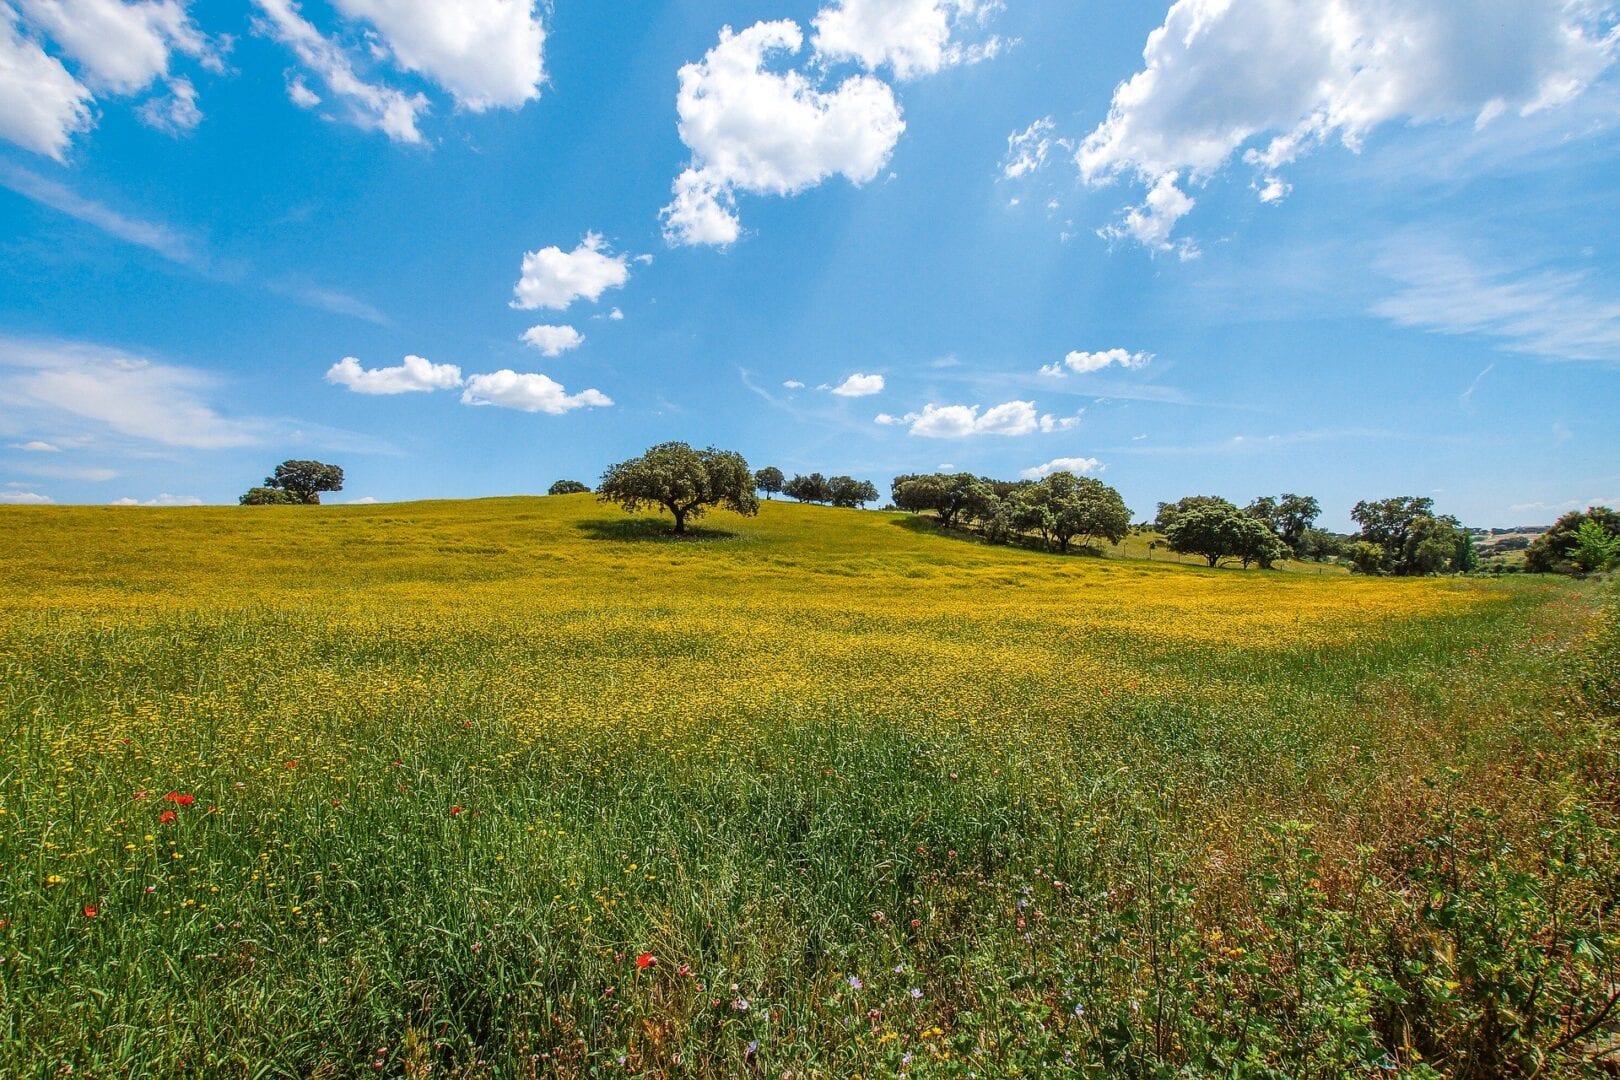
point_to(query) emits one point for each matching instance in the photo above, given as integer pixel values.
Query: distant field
(526, 787)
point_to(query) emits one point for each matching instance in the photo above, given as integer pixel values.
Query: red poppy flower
(292, 764)
(91, 911)
(138, 795)
(179, 799)
(455, 811)
(646, 960)
(167, 816)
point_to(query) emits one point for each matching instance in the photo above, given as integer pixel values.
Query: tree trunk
(680, 520)
(1214, 560)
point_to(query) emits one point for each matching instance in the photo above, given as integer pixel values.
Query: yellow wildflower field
(524, 786)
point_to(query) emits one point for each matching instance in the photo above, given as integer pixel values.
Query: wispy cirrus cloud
(1560, 314)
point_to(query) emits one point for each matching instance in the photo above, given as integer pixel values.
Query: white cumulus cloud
(413, 375)
(859, 385)
(25, 498)
(763, 132)
(910, 37)
(961, 421)
(37, 446)
(529, 392)
(553, 340)
(1274, 79)
(42, 106)
(1077, 465)
(486, 53)
(1084, 363)
(554, 278)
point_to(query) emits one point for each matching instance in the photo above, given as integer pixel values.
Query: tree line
(1400, 536)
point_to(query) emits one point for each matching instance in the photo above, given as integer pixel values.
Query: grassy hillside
(524, 786)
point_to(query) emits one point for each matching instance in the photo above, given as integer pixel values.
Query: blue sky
(1351, 249)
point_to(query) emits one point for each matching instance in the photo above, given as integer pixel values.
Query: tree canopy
(1403, 536)
(1217, 532)
(568, 487)
(769, 480)
(1063, 507)
(1169, 512)
(295, 482)
(683, 481)
(1554, 550)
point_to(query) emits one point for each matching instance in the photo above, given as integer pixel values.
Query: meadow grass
(526, 787)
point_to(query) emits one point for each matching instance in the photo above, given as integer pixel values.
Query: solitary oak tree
(296, 482)
(567, 487)
(769, 480)
(684, 481)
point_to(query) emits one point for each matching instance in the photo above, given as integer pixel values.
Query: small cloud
(1077, 465)
(1050, 423)
(35, 446)
(616, 315)
(553, 340)
(414, 375)
(162, 500)
(25, 498)
(961, 421)
(944, 466)
(528, 392)
(554, 278)
(364, 500)
(1084, 363)
(301, 95)
(793, 384)
(859, 385)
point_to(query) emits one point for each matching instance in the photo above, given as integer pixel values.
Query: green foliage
(1290, 518)
(769, 480)
(1411, 539)
(267, 496)
(567, 487)
(950, 497)
(1595, 547)
(303, 481)
(1169, 512)
(1063, 507)
(1576, 542)
(683, 481)
(848, 492)
(811, 489)
(1215, 532)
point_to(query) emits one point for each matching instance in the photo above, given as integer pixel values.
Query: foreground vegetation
(526, 787)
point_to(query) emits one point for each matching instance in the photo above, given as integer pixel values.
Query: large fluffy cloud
(764, 132)
(554, 278)
(119, 47)
(116, 49)
(528, 392)
(414, 375)
(910, 37)
(1275, 78)
(487, 53)
(42, 106)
